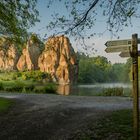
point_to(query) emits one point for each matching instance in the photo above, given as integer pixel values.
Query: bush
(50, 88)
(113, 92)
(35, 75)
(9, 89)
(1, 86)
(39, 89)
(24, 77)
(29, 88)
(18, 86)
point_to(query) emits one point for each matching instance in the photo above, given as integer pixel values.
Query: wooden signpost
(129, 48)
(120, 48)
(127, 54)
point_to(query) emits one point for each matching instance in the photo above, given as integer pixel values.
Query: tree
(93, 69)
(84, 13)
(99, 69)
(16, 16)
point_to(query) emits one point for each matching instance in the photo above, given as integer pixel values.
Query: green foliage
(17, 86)
(26, 75)
(28, 88)
(47, 88)
(1, 86)
(25, 87)
(34, 38)
(50, 88)
(16, 17)
(84, 14)
(99, 69)
(39, 89)
(121, 72)
(113, 92)
(26, 82)
(35, 75)
(116, 126)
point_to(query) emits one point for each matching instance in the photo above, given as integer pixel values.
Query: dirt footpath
(54, 117)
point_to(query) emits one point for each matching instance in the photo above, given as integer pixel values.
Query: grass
(5, 104)
(26, 82)
(27, 86)
(117, 126)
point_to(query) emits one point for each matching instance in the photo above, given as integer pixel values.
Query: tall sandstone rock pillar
(59, 59)
(8, 54)
(30, 54)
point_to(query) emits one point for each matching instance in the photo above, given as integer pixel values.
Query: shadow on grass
(117, 126)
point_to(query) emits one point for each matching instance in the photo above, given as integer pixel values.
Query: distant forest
(100, 70)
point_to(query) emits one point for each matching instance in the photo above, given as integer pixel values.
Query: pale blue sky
(100, 26)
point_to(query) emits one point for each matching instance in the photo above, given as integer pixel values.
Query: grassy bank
(117, 126)
(5, 104)
(26, 82)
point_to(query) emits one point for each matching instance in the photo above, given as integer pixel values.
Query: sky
(99, 27)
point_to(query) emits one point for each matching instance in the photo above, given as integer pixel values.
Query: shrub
(1, 86)
(24, 90)
(29, 88)
(35, 75)
(9, 89)
(113, 91)
(18, 86)
(50, 88)
(24, 76)
(39, 89)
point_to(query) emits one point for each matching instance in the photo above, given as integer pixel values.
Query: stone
(59, 59)
(30, 54)
(8, 54)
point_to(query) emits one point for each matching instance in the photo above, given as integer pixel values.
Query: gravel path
(54, 117)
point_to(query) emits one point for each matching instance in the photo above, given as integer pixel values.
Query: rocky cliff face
(30, 54)
(59, 60)
(8, 54)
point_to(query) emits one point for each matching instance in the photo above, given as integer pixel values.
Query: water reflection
(90, 90)
(63, 89)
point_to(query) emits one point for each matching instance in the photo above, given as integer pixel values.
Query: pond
(92, 89)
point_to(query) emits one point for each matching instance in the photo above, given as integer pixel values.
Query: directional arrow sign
(127, 54)
(118, 43)
(124, 54)
(118, 48)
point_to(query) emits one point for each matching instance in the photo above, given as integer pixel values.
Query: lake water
(92, 89)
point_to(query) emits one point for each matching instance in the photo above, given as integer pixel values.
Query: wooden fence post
(135, 86)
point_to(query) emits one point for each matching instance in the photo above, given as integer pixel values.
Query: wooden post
(135, 86)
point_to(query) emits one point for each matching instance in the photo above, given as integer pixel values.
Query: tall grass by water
(27, 82)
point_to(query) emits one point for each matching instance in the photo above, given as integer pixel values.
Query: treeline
(99, 69)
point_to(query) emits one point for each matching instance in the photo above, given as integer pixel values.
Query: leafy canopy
(82, 15)
(16, 16)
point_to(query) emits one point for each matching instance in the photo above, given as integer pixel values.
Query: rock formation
(59, 60)
(29, 58)
(8, 54)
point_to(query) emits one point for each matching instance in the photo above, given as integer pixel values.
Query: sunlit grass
(26, 82)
